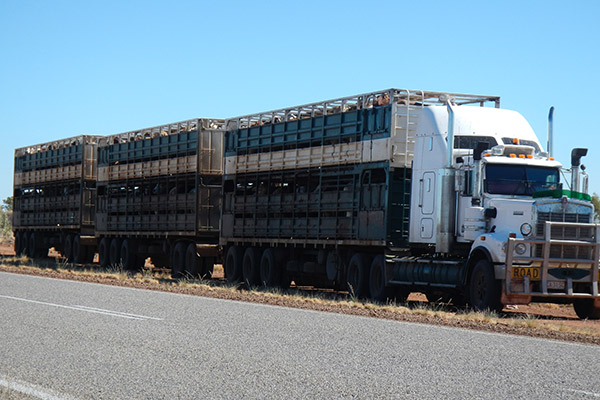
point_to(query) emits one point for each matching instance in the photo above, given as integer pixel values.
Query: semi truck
(380, 194)
(54, 198)
(396, 191)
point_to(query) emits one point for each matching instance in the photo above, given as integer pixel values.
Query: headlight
(526, 229)
(520, 249)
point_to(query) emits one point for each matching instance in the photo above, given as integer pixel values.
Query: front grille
(565, 233)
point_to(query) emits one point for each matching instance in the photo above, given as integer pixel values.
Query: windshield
(519, 179)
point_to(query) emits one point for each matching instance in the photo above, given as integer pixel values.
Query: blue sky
(80, 67)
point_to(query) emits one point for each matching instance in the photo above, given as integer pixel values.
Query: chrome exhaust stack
(550, 142)
(576, 155)
(446, 192)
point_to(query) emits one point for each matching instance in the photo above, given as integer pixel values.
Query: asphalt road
(73, 340)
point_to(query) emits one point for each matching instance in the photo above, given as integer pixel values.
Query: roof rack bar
(366, 100)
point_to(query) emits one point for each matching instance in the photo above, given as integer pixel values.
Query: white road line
(118, 313)
(593, 394)
(87, 309)
(29, 389)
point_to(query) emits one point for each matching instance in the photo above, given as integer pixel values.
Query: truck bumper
(553, 268)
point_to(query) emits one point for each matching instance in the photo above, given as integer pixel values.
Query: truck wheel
(103, 254)
(34, 245)
(193, 263)
(18, 244)
(270, 273)
(68, 248)
(484, 290)
(251, 267)
(357, 276)
(114, 252)
(584, 308)
(78, 251)
(25, 245)
(233, 264)
(178, 261)
(377, 282)
(129, 256)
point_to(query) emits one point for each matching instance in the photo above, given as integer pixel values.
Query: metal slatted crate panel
(48, 218)
(172, 166)
(59, 204)
(162, 179)
(372, 127)
(184, 203)
(54, 154)
(62, 160)
(69, 172)
(194, 146)
(310, 131)
(151, 223)
(315, 141)
(331, 203)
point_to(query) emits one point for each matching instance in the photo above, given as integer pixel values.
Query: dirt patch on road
(549, 321)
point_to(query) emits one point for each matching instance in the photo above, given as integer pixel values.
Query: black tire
(33, 247)
(129, 256)
(484, 290)
(251, 266)
(193, 263)
(357, 276)
(18, 243)
(78, 251)
(270, 272)
(114, 252)
(377, 282)
(68, 248)
(584, 308)
(178, 261)
(233, 264)
(103, 252)
(25, 243)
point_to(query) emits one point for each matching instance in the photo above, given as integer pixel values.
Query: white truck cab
(497, 196)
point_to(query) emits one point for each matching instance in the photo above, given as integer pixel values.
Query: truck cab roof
(501, 124)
